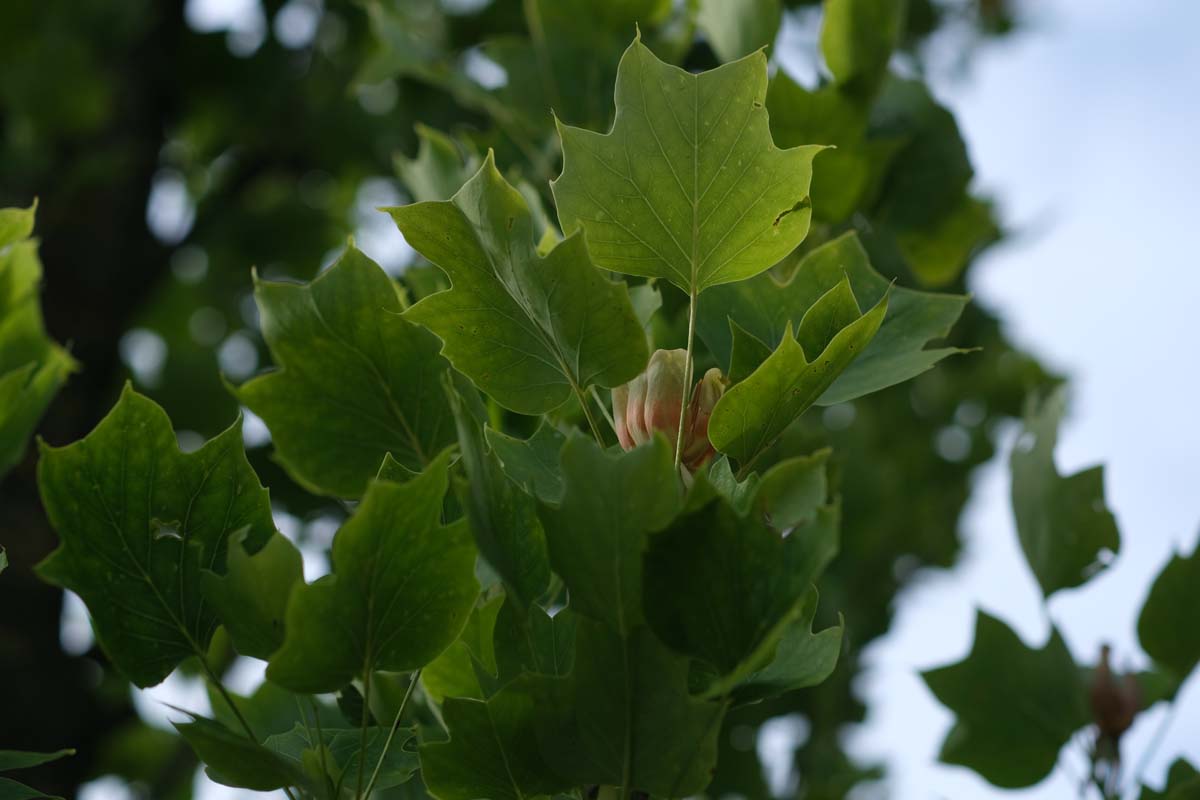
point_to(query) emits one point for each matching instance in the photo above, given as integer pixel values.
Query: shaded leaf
(735, 28)
(250, 599)
(467, 668)
(1183, 783)
(764, 306)
(11, 790)
(355, 380)
(439, 169)
(857, 37)
(139, 522)
(1016, 706)
(343, 748)
(233, 760)
(401, 592)
(801, 659)
(493, 751)
(1167, 625)
(752, 414)
(688, 185)
(527, 330)
(21, 759)
(598, 534)
(1062, 522)
(532, 463)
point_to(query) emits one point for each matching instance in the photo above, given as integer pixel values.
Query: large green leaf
(752, 414)
(735, 28)
(503, 518)
(1016, 706)
(401, 592)
(467, 668)
(532, 463)
(233, 760)
(250, 599)
(343, 748)
(723, 588)
(1167, 626)
(857, 37)
(1062, 522)
(802, 658)
(32, 367)
(22, 759)
(355, 380)
(624, 716)
(688, 185)
(763, 307)
(439, 169)
(598, 534)
(139, 522)
(493, 751)
(11, 790)
(527, 330)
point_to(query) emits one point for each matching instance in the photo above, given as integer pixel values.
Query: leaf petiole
(391, 733)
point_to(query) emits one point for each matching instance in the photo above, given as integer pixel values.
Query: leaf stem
(687, 377)
(362, 737)
(216, 681)
(587, 413)
(612, 424)
(391, 733)
(320, 740)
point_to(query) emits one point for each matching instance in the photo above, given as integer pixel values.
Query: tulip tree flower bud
(1115, 702)
(651, 402)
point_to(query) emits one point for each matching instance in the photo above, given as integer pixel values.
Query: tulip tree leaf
(233, 760)
(493, 751)
(1167, 625)
(724, 588)
(1183, 783)
(21, 759)
(1016, 706)
(688, 185)
(1062, 522)
(752, 414)
(11, 790)
(801, 659)
(788, 494)
(401, 592)
(467, 668)
(503, 518)
(355, 380)
(3, 560)
(139, 522)
(250, 599)
(32, 367)
(527, 330)
(736, 28)
(598, 534)
(763, 306)
(532, 463)
(624, 716)
(439, 169)
(299, 746)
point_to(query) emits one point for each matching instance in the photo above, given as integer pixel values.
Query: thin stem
(362, 738)
(216, 681)
(1156, 741)
(687, 378)
(388, 742)
(320, 738)
(603, 409)
(587, 413)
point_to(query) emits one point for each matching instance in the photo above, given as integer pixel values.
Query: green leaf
(503, 518)
(356, 381)
(1016, 706)
(11, 790)
(1183, 783)
(234, 760)
(857, 37)
(493, 751)
(735, 28)
(21, 759)
(439, 169)
(723, 588)
(532, 463)
(688, 185)
(3, 560)
(751, 415)
(527, 330)
(467, 668)
(624, 716)
(250, 599)
(763, 307)
(342, 750)
(1167, 624)
(598, 534)
(790, 493)
(802, 658)
(139, 521)
(32, 367)
(1062, 522)
(401, 592)
(531, 641)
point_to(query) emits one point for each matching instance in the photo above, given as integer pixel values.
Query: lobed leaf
(402, 590)
(139, 523)
(355, 380)
(233, 760)
(687, 185)
(527, 330)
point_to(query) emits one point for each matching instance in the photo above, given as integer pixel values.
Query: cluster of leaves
(680, 603)
(1017, 707)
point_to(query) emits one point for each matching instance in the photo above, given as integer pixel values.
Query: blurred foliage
(169, 160)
